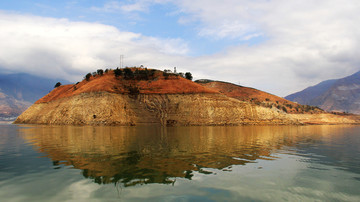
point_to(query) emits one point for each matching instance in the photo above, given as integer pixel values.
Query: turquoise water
(150, 163)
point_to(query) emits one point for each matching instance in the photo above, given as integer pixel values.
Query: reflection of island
(133, 155)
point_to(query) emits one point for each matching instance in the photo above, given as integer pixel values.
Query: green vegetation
(128, 73)
(188, 76)
(117, 72)
(289, 105)
(87, 77)
(100, 72)
(142, 74)
(133, 90)
(204, 81)
(57, 84)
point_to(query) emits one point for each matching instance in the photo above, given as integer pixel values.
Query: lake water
(150, 163)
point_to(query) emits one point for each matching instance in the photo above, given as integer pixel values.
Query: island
(138, 95)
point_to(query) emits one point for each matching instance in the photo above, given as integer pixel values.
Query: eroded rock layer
(103, 108)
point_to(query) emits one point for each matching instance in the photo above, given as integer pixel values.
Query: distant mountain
(306, 96)
(27, 87)
(19, 91)
(10, 107)
(339, 95)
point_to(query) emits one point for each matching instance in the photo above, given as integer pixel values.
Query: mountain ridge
(336, 95)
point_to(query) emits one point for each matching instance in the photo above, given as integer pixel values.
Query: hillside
(140, 96)
(258, 97)
(141, 82)
(340, 95)
(134, 96)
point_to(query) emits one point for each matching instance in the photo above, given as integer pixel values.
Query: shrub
(188, 76)
(100, 72)
(128, 73)
(57, 84)
(118, 72)
(133, 90)
(166, 74)
(87, 77)
(141, 74)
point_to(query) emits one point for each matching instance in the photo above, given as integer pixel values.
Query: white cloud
(62, 48)
(227, 29)
(303, 42)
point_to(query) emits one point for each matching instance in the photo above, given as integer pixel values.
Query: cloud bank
(62, 48)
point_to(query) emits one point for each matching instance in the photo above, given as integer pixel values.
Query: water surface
(246, 163)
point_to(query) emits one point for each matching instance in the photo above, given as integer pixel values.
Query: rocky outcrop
(103, 108)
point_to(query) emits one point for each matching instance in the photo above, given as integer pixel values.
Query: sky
(278, 46)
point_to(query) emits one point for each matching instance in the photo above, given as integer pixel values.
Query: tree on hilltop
(128, 73)
(57, 84)
(100, 72)
(87, 77)
(118, 72)
(188, 76)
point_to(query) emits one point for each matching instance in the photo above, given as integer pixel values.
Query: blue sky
(156, 20)
(274, 45)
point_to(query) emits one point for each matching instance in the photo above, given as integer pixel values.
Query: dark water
(248, 163)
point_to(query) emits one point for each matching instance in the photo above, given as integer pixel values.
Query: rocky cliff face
(103, 108)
